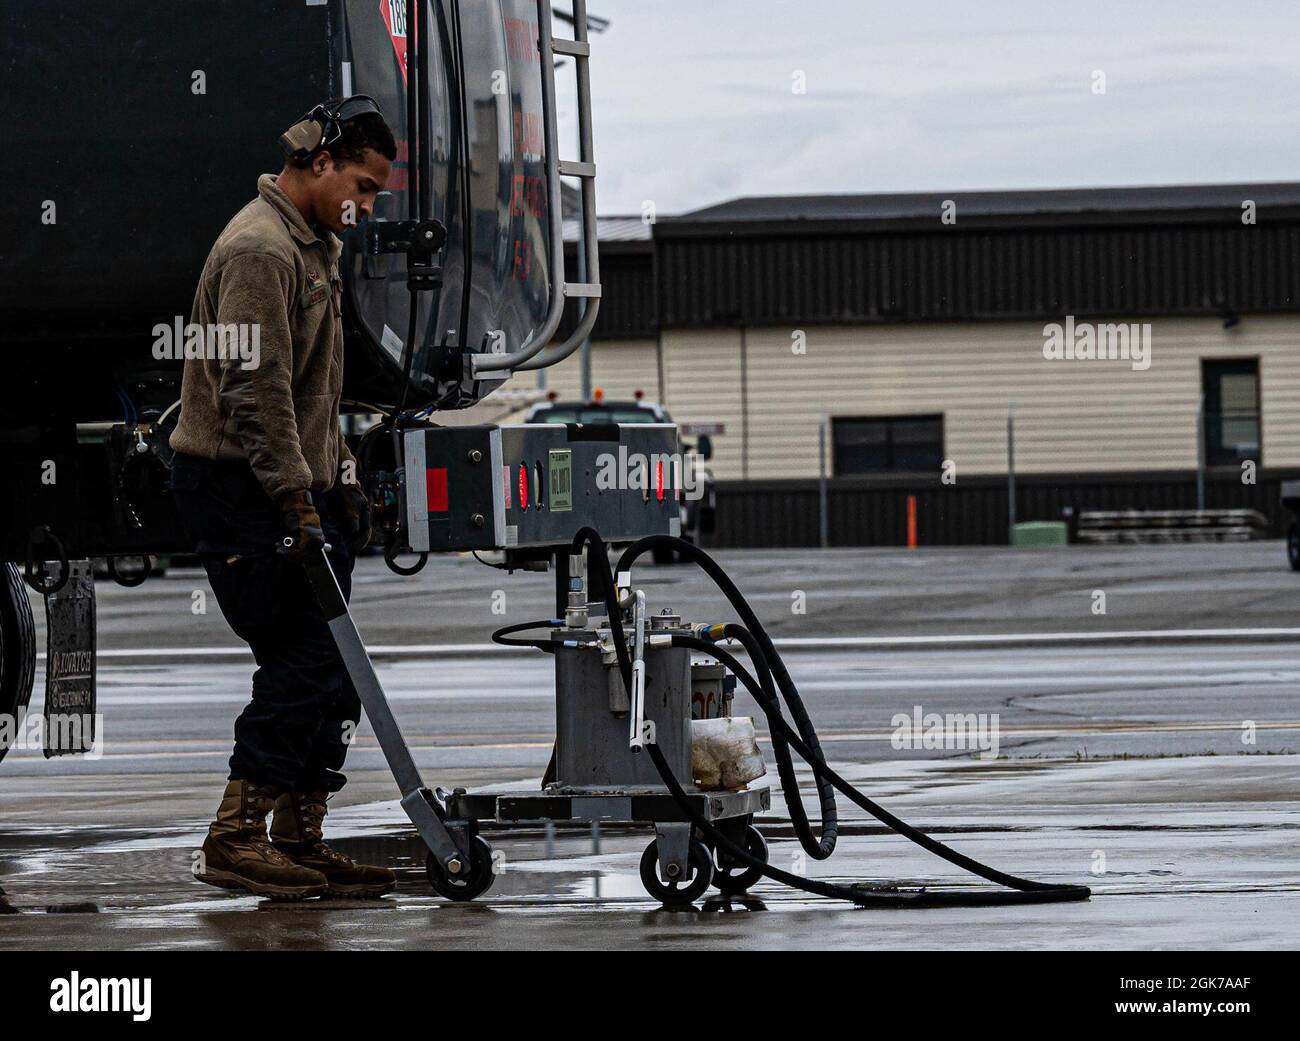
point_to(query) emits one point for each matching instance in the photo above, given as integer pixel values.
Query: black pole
(414, 182)
(414, 166)
(562, 576)
(424, 199)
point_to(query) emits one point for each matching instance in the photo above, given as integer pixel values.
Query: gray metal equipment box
(592, 724)
(536, 485)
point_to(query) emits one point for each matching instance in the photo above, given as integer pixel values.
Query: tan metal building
(1135, 330)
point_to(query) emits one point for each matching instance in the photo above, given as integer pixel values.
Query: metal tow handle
(637, 739)
(421, 805)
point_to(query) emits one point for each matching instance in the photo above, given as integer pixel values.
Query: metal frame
(420, 804)
(642, 804)
(447, 822)
(538, 352)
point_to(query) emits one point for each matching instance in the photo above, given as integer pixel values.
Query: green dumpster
(1040, 533)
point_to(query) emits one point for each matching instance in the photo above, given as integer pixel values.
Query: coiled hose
(802, 738)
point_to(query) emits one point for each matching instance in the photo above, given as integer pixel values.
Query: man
(262, 477)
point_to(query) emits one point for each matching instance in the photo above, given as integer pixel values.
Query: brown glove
(302, 525)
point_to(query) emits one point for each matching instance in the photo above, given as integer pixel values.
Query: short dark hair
(367, 131)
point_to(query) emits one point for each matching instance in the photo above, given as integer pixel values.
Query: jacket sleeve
(257, 395)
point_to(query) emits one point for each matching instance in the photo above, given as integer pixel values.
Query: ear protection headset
(323, 125)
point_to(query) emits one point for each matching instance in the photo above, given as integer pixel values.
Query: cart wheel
(731, 876)
(677, 891)
(474, 882)
(1293, 545)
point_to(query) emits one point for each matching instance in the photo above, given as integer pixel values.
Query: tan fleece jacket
(273, 282)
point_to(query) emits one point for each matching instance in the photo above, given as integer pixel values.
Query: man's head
(336, 168)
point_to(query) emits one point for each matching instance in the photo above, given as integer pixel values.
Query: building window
(894, 444)
(1231, 390)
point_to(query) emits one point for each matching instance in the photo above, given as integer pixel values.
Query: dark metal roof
(974, 275)
(629, 307)
(611, 229)
(1173, 250)
(814, 214)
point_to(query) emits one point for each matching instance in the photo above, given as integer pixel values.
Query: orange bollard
(911, 522)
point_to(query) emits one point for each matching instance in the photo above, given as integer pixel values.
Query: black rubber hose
(812, 753)
(825, 791)
(1023, 891)
(865, 897)
(771, 705)
(820, 767)
(502, 636)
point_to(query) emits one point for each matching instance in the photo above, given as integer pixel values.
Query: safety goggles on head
(323, 125)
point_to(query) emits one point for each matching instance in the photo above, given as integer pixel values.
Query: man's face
(345, 195)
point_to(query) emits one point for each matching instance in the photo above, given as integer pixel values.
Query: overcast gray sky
(694, 101)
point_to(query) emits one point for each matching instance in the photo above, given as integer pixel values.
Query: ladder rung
(588, 289)
(573, 168)
(577, 48)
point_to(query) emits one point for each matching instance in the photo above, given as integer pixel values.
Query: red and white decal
(394, 15)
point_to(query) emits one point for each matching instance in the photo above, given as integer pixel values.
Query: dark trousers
(295, 731)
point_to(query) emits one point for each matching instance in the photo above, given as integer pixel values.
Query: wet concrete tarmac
(1180, 853)
(1124, 766)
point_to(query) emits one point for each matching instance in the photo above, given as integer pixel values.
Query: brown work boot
(296, 832)
(238, 855)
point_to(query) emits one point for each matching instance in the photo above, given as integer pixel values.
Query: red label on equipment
(435, 480)
(394, 15)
